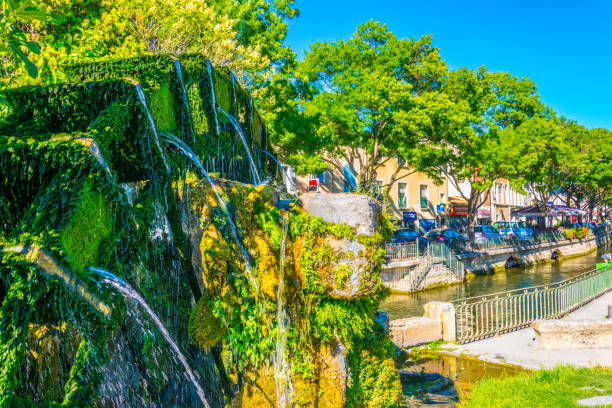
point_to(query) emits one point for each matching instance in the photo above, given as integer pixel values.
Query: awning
(548, 210)
(483, 213)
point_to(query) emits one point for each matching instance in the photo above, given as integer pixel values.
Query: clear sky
(565, 47)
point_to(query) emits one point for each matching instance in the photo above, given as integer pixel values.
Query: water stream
(281, 364)
(213, 97)
(234, 122)
(126, 290)
(179, 73)
(401, 305)
(143, 101)
(182, 147)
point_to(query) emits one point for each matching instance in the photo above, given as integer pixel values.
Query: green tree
(496, 101)
(15, 44)
(363, 102)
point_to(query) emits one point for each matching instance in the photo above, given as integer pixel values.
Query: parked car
(403, 236)
(484, 233)
(454, 239)
(517, 230)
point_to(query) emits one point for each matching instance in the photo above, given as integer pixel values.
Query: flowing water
(399, 306)
(179, 73)
(143, 101)
(213, 97)
(182, 147)
(126, 290)
(281, 364)
(234, 122)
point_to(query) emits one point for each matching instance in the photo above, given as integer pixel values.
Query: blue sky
(564, 47)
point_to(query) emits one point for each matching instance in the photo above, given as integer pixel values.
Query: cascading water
(181, 146)
(143, 101)
(281, 364)
(213, 97)
(179, 73)
(234, 122)
(126, 290)
(282, 169)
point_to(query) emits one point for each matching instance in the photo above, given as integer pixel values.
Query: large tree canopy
(365, 101)
(496, 101)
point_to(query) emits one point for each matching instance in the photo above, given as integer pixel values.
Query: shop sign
(458, 209)
(440, 208)
(409, 215)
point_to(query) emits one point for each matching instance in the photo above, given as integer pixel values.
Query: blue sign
(549, 203)
(409, 215)
(440, 208)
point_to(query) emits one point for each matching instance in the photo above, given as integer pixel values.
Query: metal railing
(489, 315)
(435, 253)
(402, 251)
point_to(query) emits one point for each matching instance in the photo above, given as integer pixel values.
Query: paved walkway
(518, 348)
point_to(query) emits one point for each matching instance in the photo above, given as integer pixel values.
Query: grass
(559, 387)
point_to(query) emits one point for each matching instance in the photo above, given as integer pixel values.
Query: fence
(497, 313)
(435, 253)
(402, 251)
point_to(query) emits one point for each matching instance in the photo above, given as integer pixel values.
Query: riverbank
(405, 305)
(519, 348)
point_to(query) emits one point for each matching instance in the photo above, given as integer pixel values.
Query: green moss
(90, 225)
(374, 381)
(205, 329)
(163, 108)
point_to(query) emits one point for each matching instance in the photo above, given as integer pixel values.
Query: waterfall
(143, 101)
(179, 73)
(234, 122)
(126, 290)
(181, 146)
(281, 365)
(282, 169)
(234, 90)
(213, 97)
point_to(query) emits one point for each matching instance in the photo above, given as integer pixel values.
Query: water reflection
(399, 306)
(464, 373)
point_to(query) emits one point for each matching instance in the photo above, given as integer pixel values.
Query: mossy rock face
(205, 329)
(90, 225)
(51, 352)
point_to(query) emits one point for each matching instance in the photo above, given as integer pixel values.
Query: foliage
(13, 40)
(495, 101)
(374, 380)
(559, 387)
(365, 101)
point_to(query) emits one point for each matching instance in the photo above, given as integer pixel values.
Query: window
(442, 198)
(401, 162)
(424, 195)
(350, 181)
(402, 195)
(321, 177)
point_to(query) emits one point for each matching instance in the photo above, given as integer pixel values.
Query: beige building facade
(414, 200)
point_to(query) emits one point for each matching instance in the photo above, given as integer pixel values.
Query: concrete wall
(528, 254)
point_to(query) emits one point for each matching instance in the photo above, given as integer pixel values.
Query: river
(399, 306)
(465, 372)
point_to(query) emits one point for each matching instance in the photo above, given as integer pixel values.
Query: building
(414, 200)
(505, 199)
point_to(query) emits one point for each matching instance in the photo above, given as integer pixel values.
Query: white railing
(489, 315)
(399, 252)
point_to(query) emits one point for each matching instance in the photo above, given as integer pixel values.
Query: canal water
(400, 306)
(440, 381)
